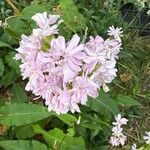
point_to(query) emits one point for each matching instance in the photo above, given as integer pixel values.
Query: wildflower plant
(64, 73)
(118, 138)
(66, 52)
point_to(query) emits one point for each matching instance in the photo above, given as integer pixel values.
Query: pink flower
(112, 48)
(95, 53)
(69, 55)
(47, 24)
(29, 46)
(83, 88)
(105, 73)
(68, 71)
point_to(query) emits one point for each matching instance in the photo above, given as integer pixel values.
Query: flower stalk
(15, 9)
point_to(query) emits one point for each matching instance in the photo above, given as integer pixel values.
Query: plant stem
(15, 9)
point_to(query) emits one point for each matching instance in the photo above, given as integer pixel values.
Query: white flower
(148, 12)
(79, 120)
(122, 139)
(116, 32)
(147, 137)
(1, 23)
(105, 88)
(120, 121)
(117, 131)
(133, 147)
(117, 137)
(114, 141)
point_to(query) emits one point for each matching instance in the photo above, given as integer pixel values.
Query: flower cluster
(64, 73)
(117, 137)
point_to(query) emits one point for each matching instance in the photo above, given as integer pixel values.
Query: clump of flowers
(64, 73)
(118, 138)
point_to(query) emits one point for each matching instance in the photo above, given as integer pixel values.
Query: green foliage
(68, 119)
(3, 44)
(28, 12)
(9, 77)
(14, 64)
(1, 67)
(22, 145)
(103, 104)
(2, 101)
(21, 114)
(145, 147)
(126, 101)
(58, 139)
(74, 20)
(24, 132)
(17, 27)
(18, 94)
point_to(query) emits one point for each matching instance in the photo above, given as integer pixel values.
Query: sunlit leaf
(21, 114)
(61, 140)
(22, 145)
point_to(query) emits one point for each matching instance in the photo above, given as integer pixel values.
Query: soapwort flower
(65, 72)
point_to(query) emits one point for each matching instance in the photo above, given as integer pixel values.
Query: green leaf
(3, 44)
(22, 145)
(103, 147)
(21, 114)
(12, 62)
(91, 126)
(17, 27)
(103, 104)
(28, 12)
(24, 132)
(18, 94)
(74, 20)
(62, 141)
(67, 118)
(145, 147)
(9, 77)
(1, 67)
(2, 101)
(126, 101)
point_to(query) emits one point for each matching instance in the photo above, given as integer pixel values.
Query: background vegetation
(26, 124)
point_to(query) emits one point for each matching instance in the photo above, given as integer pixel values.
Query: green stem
(15, 9)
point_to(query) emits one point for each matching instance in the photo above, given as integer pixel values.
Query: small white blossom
(1, 23)
(120, 121)
(114, 141)
(147, 137)
(133, 147)
(122, 139)
(79, 120)
(148, 12)
(118, 138)
(117, 131)
(116, 32)
(105, 88)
